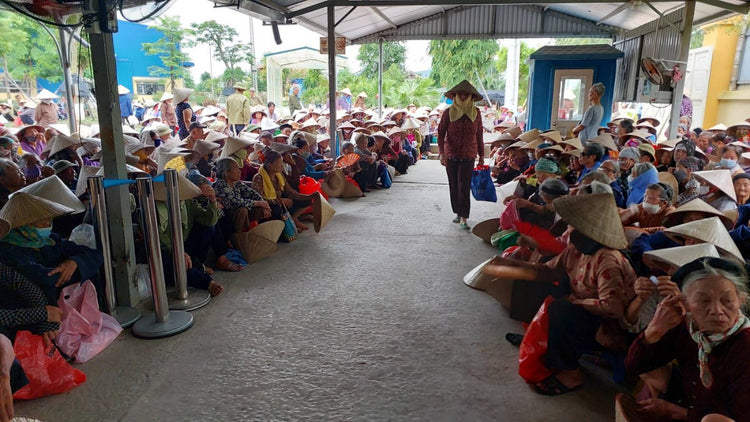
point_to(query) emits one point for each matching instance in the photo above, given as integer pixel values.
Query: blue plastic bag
(482, 186)
(385, 177)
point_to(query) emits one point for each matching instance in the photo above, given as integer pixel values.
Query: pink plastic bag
(84, 331)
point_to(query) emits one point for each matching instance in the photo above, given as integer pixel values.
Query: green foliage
(393, 53)
(456, 60)
(262, 74)
(696, 38)
(29, 49)
(221, 40)
(168, 49)
(523, 69)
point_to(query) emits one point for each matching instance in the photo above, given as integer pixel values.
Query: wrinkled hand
(188, 262)
(262, 204)
(48, 337)
(667, 287)
(47, 171)
(54, 314)
(6, 399)
(668, 315)
(480, 161)
(208, 192)
(644, 288)
(65, 270)
(664, 409)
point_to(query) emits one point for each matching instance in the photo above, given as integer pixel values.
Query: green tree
(168, 49)
(456, 60)
(393, 53)
(523, 69)
(29, 49)
(221, 39)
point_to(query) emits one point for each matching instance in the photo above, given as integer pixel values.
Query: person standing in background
(592, 118)
(167, 112)
(46, 111)
(126, 104)
(294, 103)
(238, 109)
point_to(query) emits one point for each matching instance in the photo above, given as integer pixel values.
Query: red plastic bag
(85, 331)
(48, 373)
(534, 347)
(308, 185)
(509, 218)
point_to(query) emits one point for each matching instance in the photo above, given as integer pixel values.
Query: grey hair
(640, 168)
(598, 88)
(598, 187)
(596, 176)
(615, 165)
(739, 281)
(222, 167)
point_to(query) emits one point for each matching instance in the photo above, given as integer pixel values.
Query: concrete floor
(368, 320)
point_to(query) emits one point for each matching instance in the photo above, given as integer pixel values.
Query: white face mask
(651, 208)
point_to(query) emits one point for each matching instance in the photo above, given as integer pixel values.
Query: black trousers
(572, 332)
(459, 182)
(202, 238)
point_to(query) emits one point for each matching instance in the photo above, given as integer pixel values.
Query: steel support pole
(125, 315)
(182, 298)
(687, 30)
(332, 79)
(67, 79)
(113, 160)
(163, 323)
(380, 78)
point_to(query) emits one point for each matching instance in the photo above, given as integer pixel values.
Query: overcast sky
(293, 36)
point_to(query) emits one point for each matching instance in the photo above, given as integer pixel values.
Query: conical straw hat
(254, 248)
(668, 179)
(58, 143)
(23, 209)
(203, 147)
(61, 128)
(46, 95)
(514, 131)
(606, 141)
(234, 144)
(533, 144)
(322, 213)
(574, 142)
(281, 148)
(166, 96)
(708, 230)
(53, 189)
(485, 229)
(270, 230)
(651, 120)
(4, 228)
(411, 123)
(594, 216)
(215, 137)
(122, 90)
(310, 123)
(529, 135)
(334, 186)
(721, 127)
(185, 189)
(721, 179)
(83, 177)
(679, 256)
(476, 279)
(552, 135)
(311, 138)
(351, 190)
(463, 86)
(180, 94)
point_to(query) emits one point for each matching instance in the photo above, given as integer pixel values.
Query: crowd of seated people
(229, 184)
(643, 258)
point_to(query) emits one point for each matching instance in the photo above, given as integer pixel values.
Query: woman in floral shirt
(241, 204)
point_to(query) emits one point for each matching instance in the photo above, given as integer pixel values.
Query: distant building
(132, 61)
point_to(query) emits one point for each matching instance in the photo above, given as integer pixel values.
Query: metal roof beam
(377, 11)
(388, 3)
(742, 9)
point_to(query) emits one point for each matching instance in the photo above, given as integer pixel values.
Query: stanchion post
(164, 322)
(182, 298)
(125, 315)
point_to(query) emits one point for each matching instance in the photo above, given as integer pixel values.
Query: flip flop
(465, 225)
(457, 220)
(514, 339)
(551, 386)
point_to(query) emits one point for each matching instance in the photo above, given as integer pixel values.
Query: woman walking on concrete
(460, 142)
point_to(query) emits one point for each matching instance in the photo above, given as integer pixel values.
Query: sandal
(551, 386)
(514, 339)
(465, 225)
(457, 220)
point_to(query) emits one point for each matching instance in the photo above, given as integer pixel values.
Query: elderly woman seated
(271, 184)
(12, 178)
(596, 284)
(642, 176)
(40, 255)
(650, 213)
(706, 332)
(243, 206)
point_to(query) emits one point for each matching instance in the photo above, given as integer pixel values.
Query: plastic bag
(385, 178)
(48, 373)
(534, 347)
(290, 229)
(84, 331)
(308, 185)
(83, 235)
(482, 187)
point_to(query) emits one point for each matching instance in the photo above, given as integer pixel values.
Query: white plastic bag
(83, 235)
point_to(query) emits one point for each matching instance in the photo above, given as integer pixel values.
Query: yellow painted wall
(723, 36)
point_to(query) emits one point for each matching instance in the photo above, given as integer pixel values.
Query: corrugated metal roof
(597, 51)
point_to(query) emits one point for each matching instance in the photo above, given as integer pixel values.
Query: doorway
(569, 98)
